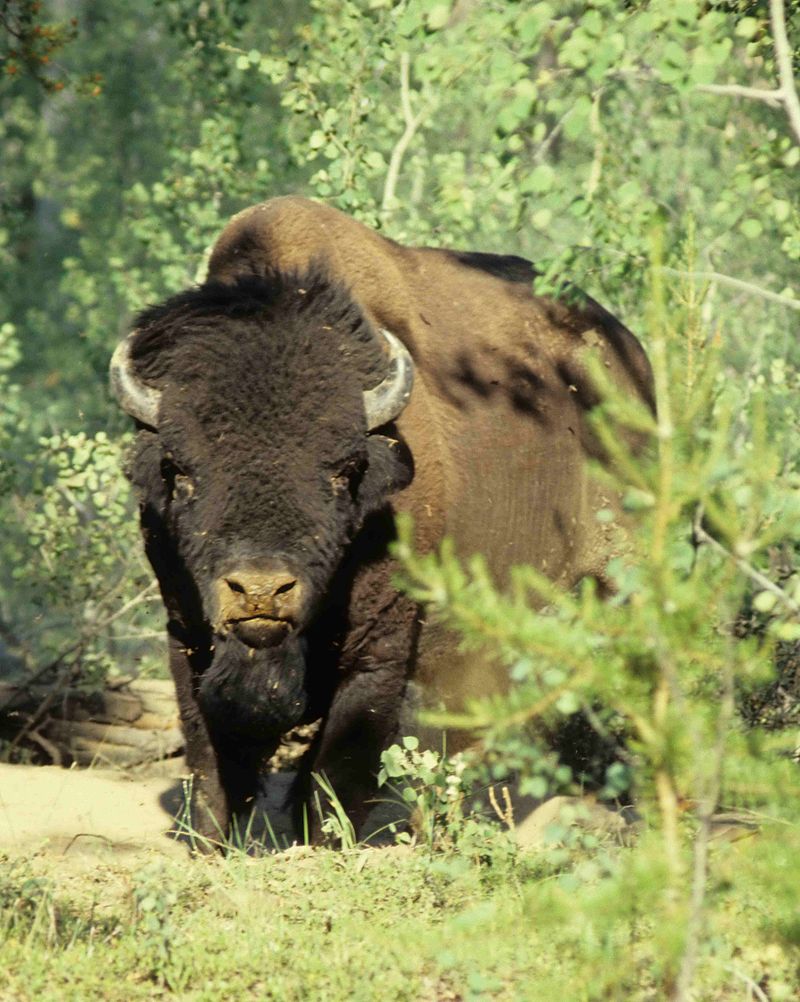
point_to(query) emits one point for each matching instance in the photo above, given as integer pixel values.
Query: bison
(322, 379)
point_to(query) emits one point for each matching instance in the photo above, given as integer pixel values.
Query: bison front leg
(363, 721)
(209, 810)
(367, 707)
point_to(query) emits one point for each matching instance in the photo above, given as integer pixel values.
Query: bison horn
(135, 397)
(384, 402)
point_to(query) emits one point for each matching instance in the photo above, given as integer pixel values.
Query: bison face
(260, 468)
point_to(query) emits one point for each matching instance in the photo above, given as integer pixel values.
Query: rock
(540, 828)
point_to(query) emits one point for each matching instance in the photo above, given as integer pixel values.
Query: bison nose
(260, 601)
(255, 587)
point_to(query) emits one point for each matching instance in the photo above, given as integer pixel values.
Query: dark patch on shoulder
(508, 267)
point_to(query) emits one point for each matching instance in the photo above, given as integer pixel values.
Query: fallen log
(129, 722)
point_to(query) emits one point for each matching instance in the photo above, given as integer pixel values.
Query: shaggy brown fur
(262, 450)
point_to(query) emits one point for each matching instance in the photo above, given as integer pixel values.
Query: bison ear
(390, 468)
(143, 468)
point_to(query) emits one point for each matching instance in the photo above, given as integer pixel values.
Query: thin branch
(771, 96)
(754, 990)
(148, 635)
(596, 129)
(145, 595)
(75, 648)
(737, 283)
(783, 58)
(708, 804)
(701, 536)
(42, 709)
(49, 747)
(540, 151)
(784, 95)
(412, 123)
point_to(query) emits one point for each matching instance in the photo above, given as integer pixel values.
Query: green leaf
(765, 601)
(751, 228)
(788, 631)
(535, 786)
(684, 10)
(675, 54)
(533, 22)
(635, 499)
(540, 179)
(568, 703)
(781, 209)
(629, 193)
(747, 27)
(577, 121)
(438, 16)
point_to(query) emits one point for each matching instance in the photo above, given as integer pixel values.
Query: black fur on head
(261, 452)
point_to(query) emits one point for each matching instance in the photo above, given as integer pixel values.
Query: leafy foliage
(661, 654)
(570, 134)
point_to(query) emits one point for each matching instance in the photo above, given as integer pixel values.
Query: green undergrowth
(395, 923)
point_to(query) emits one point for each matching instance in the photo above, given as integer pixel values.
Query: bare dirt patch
(102, 813)
(86, 811)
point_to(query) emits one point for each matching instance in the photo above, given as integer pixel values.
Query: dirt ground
(104, 812)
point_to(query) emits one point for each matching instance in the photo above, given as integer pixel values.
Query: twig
(708, 803)
(36, 717)
(599, 146)
(701, 536)
(51, 749)
(73, 648)
(539, 153)
(505, 813)
(784, 95)
(783, 57)
(412, 123)
(753, 988)
(769, 95)
(78, 835)
(143, 596)
(40, 673)
(736, 283)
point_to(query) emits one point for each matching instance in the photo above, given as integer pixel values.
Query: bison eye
(349, 478)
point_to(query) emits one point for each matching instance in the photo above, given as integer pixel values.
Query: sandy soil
(103, 812)
(99, 811)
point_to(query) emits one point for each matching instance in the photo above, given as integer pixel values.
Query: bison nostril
(286, 586)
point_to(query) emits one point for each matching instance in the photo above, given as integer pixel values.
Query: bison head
(255, 461)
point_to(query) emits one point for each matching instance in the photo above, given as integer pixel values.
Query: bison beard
(278, 437)
(254, 694)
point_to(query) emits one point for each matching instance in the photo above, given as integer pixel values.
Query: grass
(393, 924)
